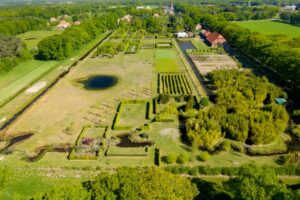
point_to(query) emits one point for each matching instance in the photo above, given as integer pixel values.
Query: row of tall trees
(291, 17)
(244, 110)
(15, 26)
(252, 182)
(280, 58)
(152, 183)
(57, 47)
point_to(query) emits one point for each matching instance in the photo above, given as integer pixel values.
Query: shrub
(204, 102)
(296, 131)
(171, 158)
(226, 146)
(238, 147)
(204, 156)
(182, 158)
(296, 113)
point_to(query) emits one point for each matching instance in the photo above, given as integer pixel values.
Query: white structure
(293, 7)
(182, 35)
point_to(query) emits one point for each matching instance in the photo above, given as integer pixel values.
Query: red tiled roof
(214, 36)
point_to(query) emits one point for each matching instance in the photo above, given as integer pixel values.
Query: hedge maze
(173, 84)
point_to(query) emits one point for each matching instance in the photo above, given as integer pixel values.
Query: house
(76, 23)
(127, 18)
(156, 15)
(198, 27)
(63, 25)
(53, 19)
(191, 34)
(182, 35)
(292, 7)
(206, 33)
(215, 39)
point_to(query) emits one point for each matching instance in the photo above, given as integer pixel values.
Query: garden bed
(173, 84)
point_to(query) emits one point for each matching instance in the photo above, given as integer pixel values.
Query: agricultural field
(207, 63)
(271, 27)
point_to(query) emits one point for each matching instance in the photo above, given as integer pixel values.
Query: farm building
(182, 35)
(206, 33)
(292, 7)
(76, 23)
(63, 25)
(198, 27)
(215, 39)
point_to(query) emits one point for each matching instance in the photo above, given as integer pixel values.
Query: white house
(63, 25)
(182, 35)
(293, 7)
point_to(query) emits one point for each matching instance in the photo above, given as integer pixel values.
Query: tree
(259, 183)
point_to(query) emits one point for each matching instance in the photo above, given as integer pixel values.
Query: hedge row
(230, 171)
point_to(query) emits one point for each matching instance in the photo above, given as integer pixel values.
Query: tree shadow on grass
(210, 190)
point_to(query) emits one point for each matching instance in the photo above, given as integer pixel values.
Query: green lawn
(166, 60)
(22, 76)
(32, 38)
(271, 27)
(133, 115)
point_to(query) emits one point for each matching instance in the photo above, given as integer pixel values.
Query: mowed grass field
(271, 27)
(167, 60)
(32, 38)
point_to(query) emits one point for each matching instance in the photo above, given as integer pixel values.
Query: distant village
(62, 22)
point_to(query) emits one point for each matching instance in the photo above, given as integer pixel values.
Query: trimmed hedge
(288, 170)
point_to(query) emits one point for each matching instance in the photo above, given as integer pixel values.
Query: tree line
(12, 51)
(252, 182)
(15, 26)
(57, 47)
(291, 17)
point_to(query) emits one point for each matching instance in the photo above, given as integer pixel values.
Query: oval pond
(99, 82)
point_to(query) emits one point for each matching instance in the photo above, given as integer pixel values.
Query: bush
(182, 159)
(204, 156)
(204, 102)
(238, 147)
(226, 146)
(171, 158)
(296, 131)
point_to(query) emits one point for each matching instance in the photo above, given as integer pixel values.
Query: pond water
(99, 82)
(125, 142)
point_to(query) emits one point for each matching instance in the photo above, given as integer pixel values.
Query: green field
(166, 60)
(133, 115)
(32, 38)
(271, 27)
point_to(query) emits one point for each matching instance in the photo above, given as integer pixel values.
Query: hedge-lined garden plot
(133, 47)
(166, 60)
(132, 114)
(127, 152)
(164, 45)
(173, 84)
(88, 143)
